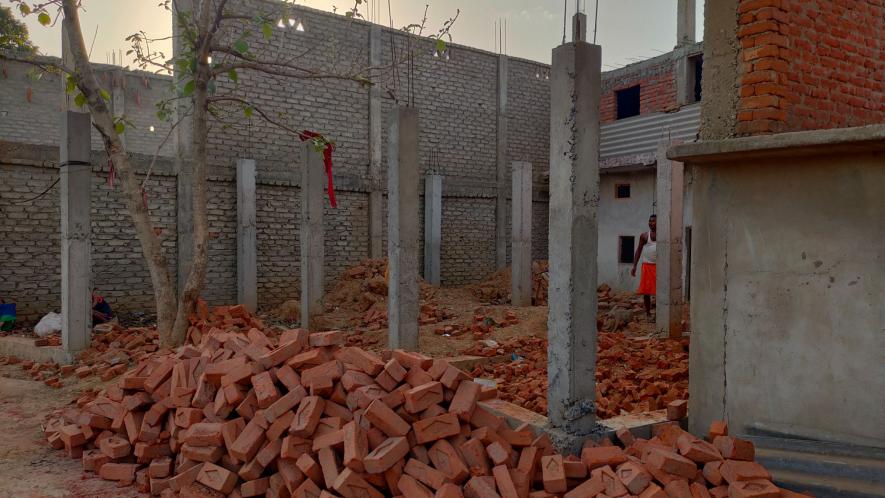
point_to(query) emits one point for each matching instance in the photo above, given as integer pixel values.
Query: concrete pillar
(184, 177)
(521, 233)
(685, 22)
(574, 199)
(376, 195)
(501, 167)
(75, 185)
(402, 226)
(75, 177)
(247, 249)
(432, 227)
(579, 27)
(310, 233)
(669, 300)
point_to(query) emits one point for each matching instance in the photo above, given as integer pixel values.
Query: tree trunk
(193, 286)
(155, 257)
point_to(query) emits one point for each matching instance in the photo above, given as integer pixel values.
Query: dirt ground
(29, 468)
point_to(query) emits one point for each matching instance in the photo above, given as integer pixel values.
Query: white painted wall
(619, 217)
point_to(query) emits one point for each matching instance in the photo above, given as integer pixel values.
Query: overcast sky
(628, 29)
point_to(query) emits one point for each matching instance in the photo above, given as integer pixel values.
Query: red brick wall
(811, 64)
(657, 90)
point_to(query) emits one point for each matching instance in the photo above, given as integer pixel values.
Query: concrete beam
(310, 233)
(247, 249)
(75, 181)
(685, 22)
(402, 226)
(574, 199)
(521, 233)
(376, 196)
(432, 227)
(501, 167)
(670, 192)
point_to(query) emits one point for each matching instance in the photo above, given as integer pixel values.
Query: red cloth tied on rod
(327, 162)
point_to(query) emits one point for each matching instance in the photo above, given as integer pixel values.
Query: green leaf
(267, 30)
(241, 46)
(119, 127)
(44, 19)
(189, 88)
(80, 100)
(24, 8)
(70, 84)
(232, 74)
(105, 95)
(440, 45)
(247, 111)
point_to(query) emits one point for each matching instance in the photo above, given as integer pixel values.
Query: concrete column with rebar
(311, 237)
(521, 234)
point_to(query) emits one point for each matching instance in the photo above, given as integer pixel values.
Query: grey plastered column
(75, 185)
(75, 177)
(501, 168)
(432, 227)
(521, 233)
(376, 194)
(247, 250)
(184, 177)
(574, 199)
(685, 22)
(669, 302)
(402, 226)
(310, 234)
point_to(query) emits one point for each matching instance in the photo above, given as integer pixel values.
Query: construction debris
(243, 413)
(633, 375)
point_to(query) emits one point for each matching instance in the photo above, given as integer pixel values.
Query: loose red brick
(388, 453)
(498, 453)
(356, 446)
(124, 472)
(478, 487)
(711, 473)
(351, 485)
(733, 471)
(717, 428)
(588, 489)
(447, 460)
(294, 447)
(653, 491)
(205, 434)
(284, 352)
(733, 448)
(603, 455)
(367, 362)
(115, 447)
(678, 489)
(307, 417)
(285, 403)
(382, 417)
(449, 490)
(425, 474)
(266, 393)
(465, 399)
(423, 396)
(699, 490)
(504, 481)
(759, 488)
(433, 428)
(217, 478)
(255, 487)
(553, 474)
(672, 463)
(482, 417)
(160, 467)
(249, 441)
(325, 339)
(474, 453)
(697, 450)
(574, 469)
(311, 468)
(201, 453)
(412, 488)
(677, 409)
(634, 477)
(329, 465)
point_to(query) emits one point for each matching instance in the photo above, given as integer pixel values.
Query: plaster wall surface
(622, 217)
(788, 321)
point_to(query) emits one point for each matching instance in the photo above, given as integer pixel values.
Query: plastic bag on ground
(48, 325)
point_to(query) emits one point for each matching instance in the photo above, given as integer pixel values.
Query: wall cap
(859, 139)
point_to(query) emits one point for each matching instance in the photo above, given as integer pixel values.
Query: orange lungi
(648, 279)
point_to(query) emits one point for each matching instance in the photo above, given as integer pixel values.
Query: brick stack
(306, 416)
(632, 375)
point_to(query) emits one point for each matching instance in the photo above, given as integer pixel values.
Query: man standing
(647, 253)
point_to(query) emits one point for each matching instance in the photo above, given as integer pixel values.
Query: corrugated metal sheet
(641, 134)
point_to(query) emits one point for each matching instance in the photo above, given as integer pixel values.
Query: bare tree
(214, 42)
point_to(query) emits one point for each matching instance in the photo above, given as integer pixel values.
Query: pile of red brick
(482, 324)
(429, 313)
(108, 356)
(632, 375)
(363, 288)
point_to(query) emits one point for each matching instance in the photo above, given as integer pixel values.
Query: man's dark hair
(653, 216)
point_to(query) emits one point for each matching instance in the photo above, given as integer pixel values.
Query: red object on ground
(327, 162)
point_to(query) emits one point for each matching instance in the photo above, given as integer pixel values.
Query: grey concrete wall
(622, 217)
(788, 321)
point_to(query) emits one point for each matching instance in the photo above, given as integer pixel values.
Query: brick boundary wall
(810, 65)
